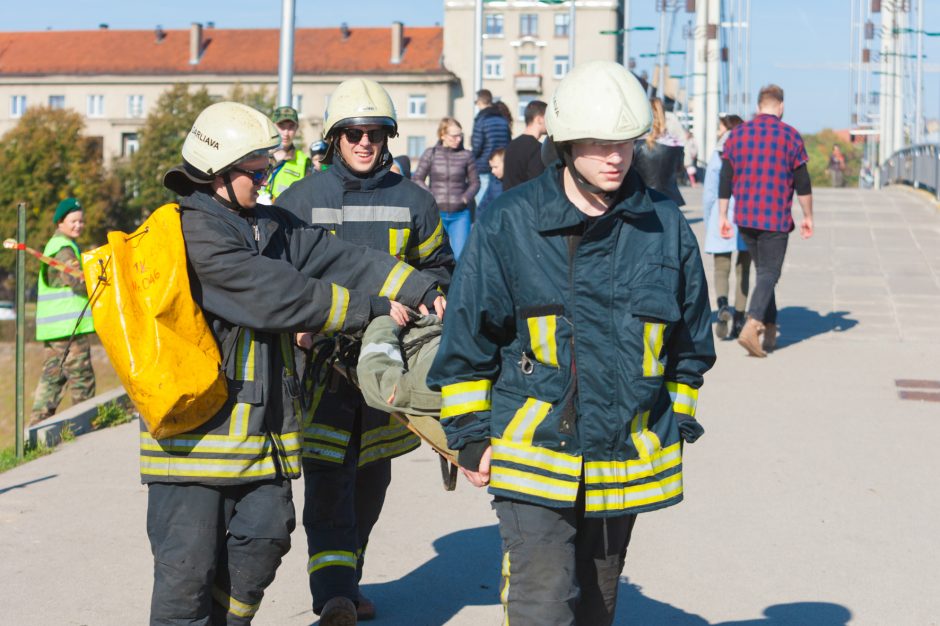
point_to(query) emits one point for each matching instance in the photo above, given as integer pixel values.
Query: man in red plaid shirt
(763, 163)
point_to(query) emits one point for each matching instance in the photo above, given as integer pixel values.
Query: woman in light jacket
(453, 180)
(730, 319)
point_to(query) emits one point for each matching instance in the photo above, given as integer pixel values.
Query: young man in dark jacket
(348, 446)
(568, 384)
(490, 132)
(220, 512)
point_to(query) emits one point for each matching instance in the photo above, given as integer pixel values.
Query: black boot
(738, 324)
(725, 316)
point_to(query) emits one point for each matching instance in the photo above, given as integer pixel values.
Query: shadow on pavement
(797, 323)
(27, 483)
(635, 608)
(465, 572)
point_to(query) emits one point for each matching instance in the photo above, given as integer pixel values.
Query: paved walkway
(813, 498)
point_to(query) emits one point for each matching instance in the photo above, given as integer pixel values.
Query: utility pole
(714, 60)
(477, 54)
(626, 33)
(919, 86)
(701, 67)
(285, 71)
(571, 38)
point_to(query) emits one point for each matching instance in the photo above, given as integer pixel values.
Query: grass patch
(111, 414)
(8, 458)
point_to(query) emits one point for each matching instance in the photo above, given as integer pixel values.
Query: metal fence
(918, 166)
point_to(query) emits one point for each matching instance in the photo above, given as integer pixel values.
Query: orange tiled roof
(225, 51)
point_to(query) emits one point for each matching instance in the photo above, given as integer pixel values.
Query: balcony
(528, 83)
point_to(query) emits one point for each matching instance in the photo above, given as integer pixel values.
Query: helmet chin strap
(581, 181)
(232, 201)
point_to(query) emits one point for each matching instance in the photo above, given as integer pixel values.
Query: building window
(493, 66)
(528, 64)
(560, 66)
(562, 22)
(95, 106)
(416, 147)
(56, 102)
(129, 144)
(417, 106)
(17, 106)
(298, 103)
(493, 25)
(135, 106)
(528, 25)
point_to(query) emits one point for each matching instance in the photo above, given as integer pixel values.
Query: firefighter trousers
(559, 567)
(341, 505)
(215, 548)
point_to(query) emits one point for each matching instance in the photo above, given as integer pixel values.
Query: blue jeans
(457, 225)
(484, 183)
(767, 248)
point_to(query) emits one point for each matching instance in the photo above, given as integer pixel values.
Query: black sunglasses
(354, 135)
(257, 176)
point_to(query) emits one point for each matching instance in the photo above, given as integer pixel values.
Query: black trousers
(215, 548)
(559, 567)
(768, 249)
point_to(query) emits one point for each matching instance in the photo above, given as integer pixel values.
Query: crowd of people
(291, 250)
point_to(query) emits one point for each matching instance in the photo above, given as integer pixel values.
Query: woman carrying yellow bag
(219, 498)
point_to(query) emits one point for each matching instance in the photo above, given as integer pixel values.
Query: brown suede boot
(338, 611)
(769, 341)
(750, 337)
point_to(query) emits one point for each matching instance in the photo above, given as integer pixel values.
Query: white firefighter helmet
(600, 101)
(360, 101)
(226, 133)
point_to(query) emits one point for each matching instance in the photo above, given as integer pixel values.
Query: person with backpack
(220, 509)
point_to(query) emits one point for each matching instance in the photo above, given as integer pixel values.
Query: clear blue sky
(802, 45)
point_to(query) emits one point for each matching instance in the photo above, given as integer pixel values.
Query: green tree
(258, 97)
(161, 140)
(45, 158)
(819, 146)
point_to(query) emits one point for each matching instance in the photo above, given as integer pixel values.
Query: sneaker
(750, 337)
(769, 341)
(338, 611)
(738, 324)
(365, 608)
(724, 323)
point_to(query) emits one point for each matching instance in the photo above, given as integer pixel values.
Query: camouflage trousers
(76, 371)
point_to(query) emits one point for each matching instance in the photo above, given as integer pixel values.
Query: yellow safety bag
(154, 333)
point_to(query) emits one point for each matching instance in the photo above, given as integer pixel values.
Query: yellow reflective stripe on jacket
(624, 472)
(542, 336)
(684, 398)
(339, 304)
(644, 440)
(331, 558)
(564, 465)
(396, 278)
(196, 467)
(325, 443)
(466, 397)
(386, 442)
(398, 242)
(245, 355)
(233, 606)
(532, 484)
(652, 347)
(427, 247)
(620, 498)
(253, 445)
(522, 426)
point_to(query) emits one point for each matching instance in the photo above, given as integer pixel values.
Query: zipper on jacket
(569, 417)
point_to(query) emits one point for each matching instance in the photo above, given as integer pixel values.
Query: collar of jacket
(201, 201)
(490, 111)
(557, 212)
(367, 182)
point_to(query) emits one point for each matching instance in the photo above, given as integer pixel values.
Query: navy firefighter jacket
(542, 291)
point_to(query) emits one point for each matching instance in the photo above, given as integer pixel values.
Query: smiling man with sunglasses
(349, 446)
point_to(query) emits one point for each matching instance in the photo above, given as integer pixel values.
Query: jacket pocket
(549, 331)
(653, 310)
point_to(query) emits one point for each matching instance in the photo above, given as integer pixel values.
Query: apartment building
(525, 47)
(115, 77)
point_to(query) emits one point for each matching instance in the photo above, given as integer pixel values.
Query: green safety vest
(58, 308)
(289, 173)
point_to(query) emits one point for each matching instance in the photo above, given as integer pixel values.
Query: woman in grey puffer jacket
(453, 180)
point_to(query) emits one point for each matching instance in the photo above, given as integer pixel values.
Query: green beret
(65, 207)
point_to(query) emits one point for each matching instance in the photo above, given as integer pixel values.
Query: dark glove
(689, 428)
(429, 298)
(469, 457)
(378, 306)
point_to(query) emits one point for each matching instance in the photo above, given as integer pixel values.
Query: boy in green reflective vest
(61, 300)
(291, 164)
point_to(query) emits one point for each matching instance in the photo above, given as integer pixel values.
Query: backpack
(153, 331)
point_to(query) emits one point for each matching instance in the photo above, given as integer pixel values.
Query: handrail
(917, 166)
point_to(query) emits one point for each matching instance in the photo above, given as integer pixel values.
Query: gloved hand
(379, 305)
(689, 428)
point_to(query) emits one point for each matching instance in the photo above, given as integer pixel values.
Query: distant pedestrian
(291, 164)
(490, 132)
(763, 162)
(62, 299)
(659, 157)
(690, 159)
(730, 319)
(496, 182)
(452, 180)
(836, 167)
(317, 151)
(523, 159)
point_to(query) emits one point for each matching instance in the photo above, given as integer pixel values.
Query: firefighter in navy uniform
(348, 446)
(220, 512)
(568, 385)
